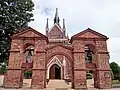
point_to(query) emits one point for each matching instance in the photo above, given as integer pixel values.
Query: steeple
(64, 29)
(56, 18)
(47, 28)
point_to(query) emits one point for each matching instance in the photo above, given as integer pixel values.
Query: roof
(89, 33)
(28, 33)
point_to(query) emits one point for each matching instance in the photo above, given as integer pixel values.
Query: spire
(64, 29)
(47, 24)
(56, 18)
(64, 24)
(47, 28)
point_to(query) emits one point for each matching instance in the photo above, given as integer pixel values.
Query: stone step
(57, 84)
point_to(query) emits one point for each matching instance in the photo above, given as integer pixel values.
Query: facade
(55, 56)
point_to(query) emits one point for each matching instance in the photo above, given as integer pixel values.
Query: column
(38, 71)
(79, 71)
(64, 65)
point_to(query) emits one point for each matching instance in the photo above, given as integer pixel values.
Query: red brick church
(55, 56)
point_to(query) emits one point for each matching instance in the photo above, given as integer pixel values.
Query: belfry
(56, 56)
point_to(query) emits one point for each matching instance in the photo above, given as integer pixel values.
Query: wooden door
(55, 72)
(52, 72)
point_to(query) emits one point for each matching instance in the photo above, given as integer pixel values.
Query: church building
(56, 56)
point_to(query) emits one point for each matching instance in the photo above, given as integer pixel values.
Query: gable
(28, 32)
(55, 32)
(89, 33)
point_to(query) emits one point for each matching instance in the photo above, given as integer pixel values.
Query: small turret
(64, 29)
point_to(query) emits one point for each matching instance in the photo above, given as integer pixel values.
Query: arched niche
(90, 53)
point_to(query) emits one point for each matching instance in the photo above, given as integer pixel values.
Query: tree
(14, 15)
(115, 69)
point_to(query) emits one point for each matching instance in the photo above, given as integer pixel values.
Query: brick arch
(91, 46)
(59, 53)
(59, 50)
(27, 45)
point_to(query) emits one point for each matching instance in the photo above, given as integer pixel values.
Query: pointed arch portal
(54, 69)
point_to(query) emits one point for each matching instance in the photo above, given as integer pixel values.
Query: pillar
(13, 77)
(38, 71)
(79, 71)
(103, 67)
(104, 72)
(64, 69)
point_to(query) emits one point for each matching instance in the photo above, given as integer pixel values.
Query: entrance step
(58, 84)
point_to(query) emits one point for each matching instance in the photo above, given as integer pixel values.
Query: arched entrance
(59, 57)
(55, 72)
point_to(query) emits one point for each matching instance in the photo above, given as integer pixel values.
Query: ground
(52, 85)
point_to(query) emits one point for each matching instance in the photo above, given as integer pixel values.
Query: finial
(63, 23)
(67, 35)
(56, 9)
(47, 28)
(47, 24)
(56, 14)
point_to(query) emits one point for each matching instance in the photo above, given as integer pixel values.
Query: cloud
(100, 15)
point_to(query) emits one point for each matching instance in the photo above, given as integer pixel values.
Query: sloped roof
(23, 33)
(89, 33)
(55, 25)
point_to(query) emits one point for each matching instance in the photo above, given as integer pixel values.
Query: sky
(102, 16)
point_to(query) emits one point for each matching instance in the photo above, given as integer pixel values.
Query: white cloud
(100, 15)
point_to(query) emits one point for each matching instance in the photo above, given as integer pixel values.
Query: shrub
(28, 74)
(3, 68)
(89, 76)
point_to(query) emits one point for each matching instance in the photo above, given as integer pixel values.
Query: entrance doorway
(55, 72)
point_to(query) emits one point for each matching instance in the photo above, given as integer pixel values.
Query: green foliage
(3, 68)
(14, 15)
(28, 74)
(115, 70)
(89, 76)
